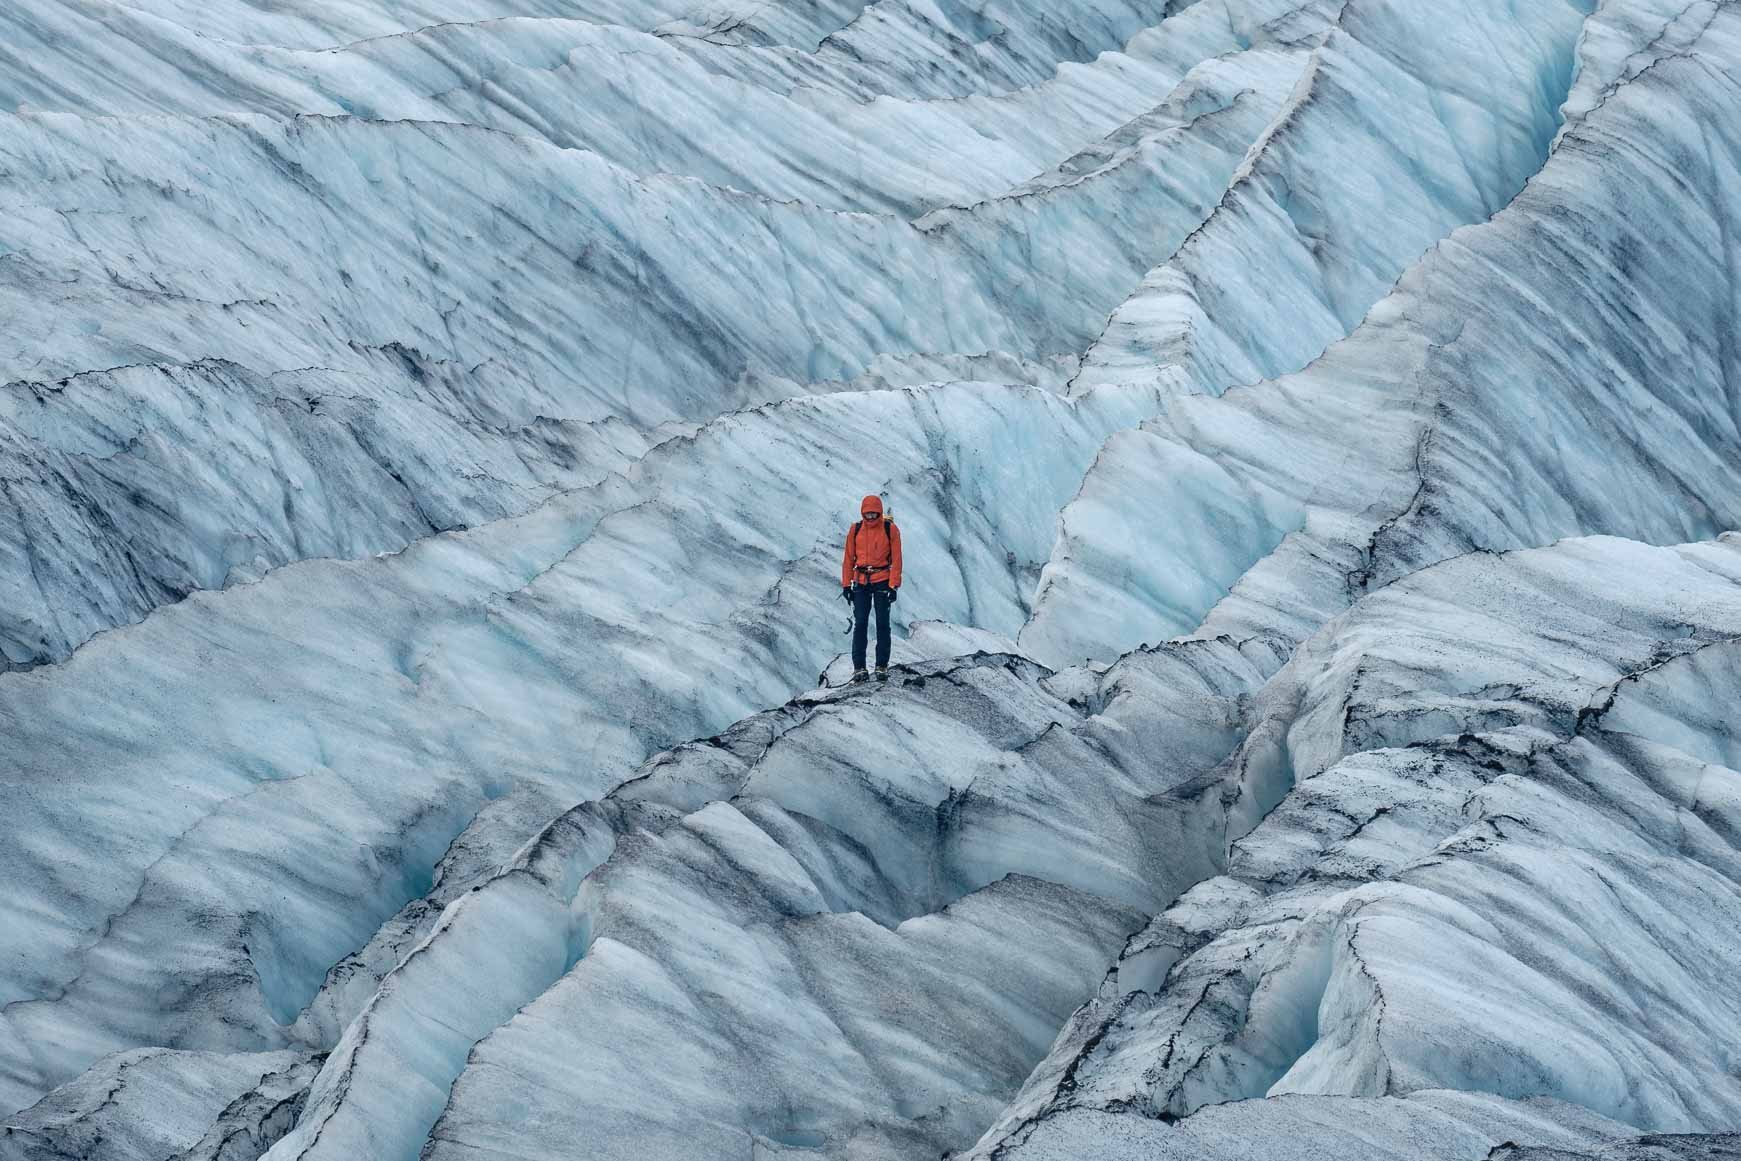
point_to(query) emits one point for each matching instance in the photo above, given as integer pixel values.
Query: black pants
(864, 597)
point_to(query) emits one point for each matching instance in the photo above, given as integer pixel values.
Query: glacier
(427, 430)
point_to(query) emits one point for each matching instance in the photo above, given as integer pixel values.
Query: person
(870, 578)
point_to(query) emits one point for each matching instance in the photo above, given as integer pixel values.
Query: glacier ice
(426, 429)
(1493, 830)
(1402, 127)
(1626, 326)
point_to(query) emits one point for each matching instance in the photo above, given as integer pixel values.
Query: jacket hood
(871, 504)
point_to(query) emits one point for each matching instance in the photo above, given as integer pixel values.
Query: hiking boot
(882, 673)
(859, 675)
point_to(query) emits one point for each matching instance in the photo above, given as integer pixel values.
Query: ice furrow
(651, 108)
(116, 507)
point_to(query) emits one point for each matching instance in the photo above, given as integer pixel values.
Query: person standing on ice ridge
(870, 577)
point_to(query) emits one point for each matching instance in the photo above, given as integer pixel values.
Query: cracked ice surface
(425, 436)
(1499, 391)
(1502, 860)
(1400, 130)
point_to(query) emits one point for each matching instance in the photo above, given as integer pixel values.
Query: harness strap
(867, 569)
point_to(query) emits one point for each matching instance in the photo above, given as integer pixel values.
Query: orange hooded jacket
(873, 548)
